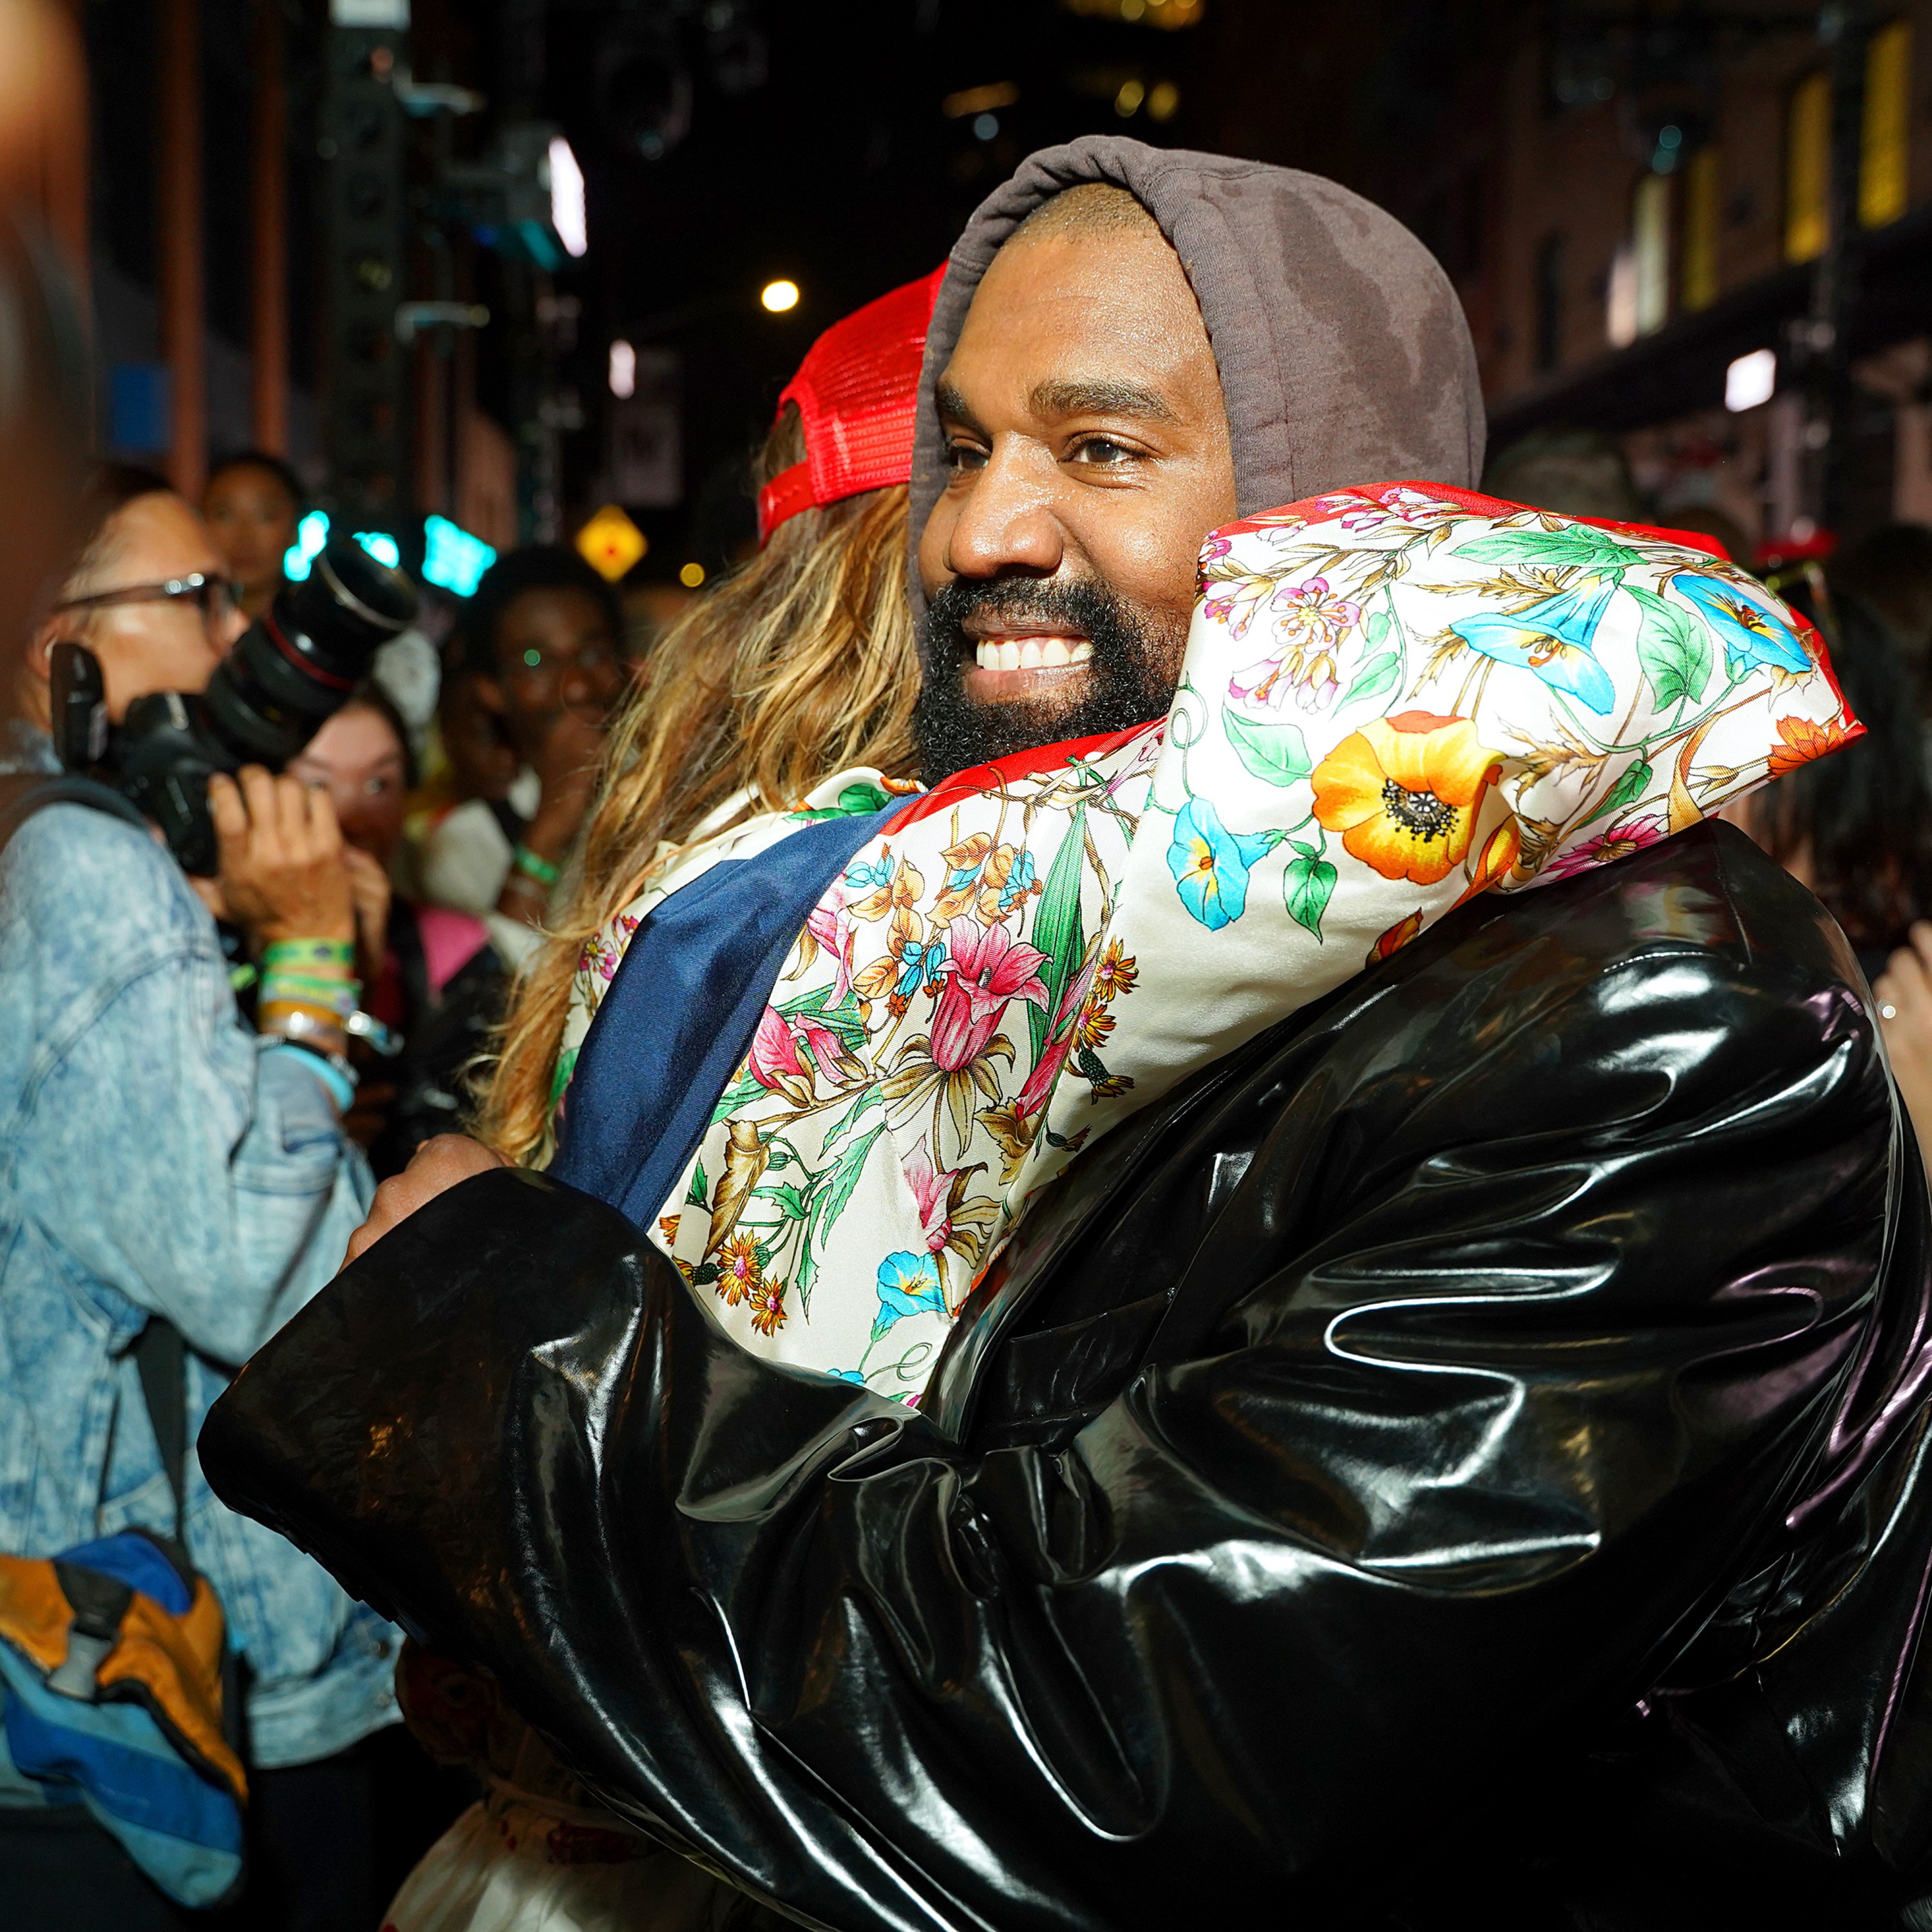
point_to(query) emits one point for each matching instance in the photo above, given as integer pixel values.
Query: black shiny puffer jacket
(1460, 1460)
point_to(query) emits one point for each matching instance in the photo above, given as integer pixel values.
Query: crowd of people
(859, 832)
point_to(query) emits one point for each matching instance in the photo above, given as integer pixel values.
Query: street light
(779, 296)
(566, 198)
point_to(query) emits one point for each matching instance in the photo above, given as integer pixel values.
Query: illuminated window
(1885, 143)
(1807, 170)
(1697, 279)
(1650, 249)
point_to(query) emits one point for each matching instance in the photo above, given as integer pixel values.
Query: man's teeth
(1031, 653)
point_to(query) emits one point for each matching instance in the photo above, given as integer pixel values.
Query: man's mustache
(1078, 608)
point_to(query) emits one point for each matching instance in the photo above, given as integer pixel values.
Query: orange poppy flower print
(1804, 741)
(1404, 792)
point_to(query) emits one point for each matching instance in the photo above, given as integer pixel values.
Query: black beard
(1135, 664)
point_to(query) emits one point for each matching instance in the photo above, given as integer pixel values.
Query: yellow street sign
(611, 543)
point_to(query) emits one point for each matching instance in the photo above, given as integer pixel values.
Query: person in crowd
(1856, 829)
(431, 977)
(252, 503)
(1891, 570)
(161, 1161)
(542, 665)
(1439, 1447)
(800, 664)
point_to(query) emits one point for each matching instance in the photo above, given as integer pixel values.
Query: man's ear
(36, 662)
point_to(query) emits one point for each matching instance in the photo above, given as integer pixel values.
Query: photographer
(157, 1159)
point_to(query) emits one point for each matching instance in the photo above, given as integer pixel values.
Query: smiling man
(1086, 455)
(1111, 381)
(1458, 1457)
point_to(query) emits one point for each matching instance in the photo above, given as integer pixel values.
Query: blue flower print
(1553, 640)
(1019, 881)
(878, 875)
(920, 965)
(1751, 635)
(908, 1285)
(1210, 864)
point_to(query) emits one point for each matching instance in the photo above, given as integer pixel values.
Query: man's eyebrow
(1097, 396)
(953, 407)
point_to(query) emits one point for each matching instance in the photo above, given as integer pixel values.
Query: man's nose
(1008, 522)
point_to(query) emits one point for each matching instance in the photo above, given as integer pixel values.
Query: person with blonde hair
(803, 664)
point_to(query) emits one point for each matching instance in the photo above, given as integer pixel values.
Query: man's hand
(1904, 994)
(438, 1165)
(282, 872)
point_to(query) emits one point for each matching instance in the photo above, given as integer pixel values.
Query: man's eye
(965, 456)
(1101, 450)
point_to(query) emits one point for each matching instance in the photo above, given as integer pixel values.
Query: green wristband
(533, 866)
(286, 955)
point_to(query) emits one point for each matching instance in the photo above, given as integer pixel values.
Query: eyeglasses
(214, 595)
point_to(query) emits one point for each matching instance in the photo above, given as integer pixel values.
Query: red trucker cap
(857, 390)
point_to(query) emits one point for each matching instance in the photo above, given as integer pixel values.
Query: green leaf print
(1628, 787)
(854, 800)
(695, 1197)
(1375, 677)
(1590, 549)
(1307, 886)
(1674, 649)
(791, 1203)
(1057, 926)
(829, 1193)
(1277, 755)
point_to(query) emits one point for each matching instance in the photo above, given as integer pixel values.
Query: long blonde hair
(800, 663)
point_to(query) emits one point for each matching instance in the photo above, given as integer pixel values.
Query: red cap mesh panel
(857, 392)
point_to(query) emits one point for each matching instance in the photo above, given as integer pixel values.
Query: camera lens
(295, 665)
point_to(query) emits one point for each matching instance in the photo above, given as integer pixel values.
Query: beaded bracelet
(533, 866)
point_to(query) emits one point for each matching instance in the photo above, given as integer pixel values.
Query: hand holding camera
(282, 874)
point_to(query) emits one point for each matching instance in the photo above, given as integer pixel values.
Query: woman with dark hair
(252, 502)
(431, 977)
(1856, 828)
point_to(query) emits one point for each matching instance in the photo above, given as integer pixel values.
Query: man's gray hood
(1343, 352)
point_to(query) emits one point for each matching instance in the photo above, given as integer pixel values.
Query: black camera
(289, 672)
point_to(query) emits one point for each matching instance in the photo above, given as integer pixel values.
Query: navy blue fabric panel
(680, 1012)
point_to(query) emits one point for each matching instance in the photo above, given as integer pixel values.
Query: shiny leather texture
(1462, 1459)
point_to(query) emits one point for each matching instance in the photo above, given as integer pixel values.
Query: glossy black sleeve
(1477, 1386)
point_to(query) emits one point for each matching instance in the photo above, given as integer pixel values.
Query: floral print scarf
(1392, 699)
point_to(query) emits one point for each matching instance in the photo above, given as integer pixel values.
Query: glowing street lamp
(779, 296)
(567, 214)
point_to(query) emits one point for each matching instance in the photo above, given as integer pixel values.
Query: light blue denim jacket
(154, 1157)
